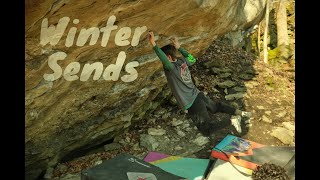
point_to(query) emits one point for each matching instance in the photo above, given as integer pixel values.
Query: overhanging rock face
(67, 107)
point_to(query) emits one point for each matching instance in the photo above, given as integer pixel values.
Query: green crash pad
(126, 167)
(190, 168)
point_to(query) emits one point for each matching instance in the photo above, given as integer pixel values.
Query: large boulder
(70, 110)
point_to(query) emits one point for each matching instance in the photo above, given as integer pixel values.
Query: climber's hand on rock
(151, 39)
(175, 42)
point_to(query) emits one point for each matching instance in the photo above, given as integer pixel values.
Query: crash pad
(224, 170)
(250, 154)
(190, 168)
(126, 167)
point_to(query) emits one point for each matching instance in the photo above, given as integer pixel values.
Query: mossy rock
(235, 105)
(226, 70)
(215, 70)
(245, 76)
(224, 75)
(251, 71)
(227, 84)
(269, 83)
(273, 53)
(239, 89)
(210, 64)
(276, 58)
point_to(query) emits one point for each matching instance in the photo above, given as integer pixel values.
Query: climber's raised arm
(162, 56)
(190, 59)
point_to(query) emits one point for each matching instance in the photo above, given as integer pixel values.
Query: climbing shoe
(246, 114)
(236, 122)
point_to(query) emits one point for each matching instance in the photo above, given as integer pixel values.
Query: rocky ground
(223, 73)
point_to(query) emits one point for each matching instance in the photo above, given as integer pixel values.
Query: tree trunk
(258, 41)
(282, 30)
(265, 38)
(248, 43)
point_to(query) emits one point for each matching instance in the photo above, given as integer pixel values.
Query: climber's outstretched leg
(200, 116)
(236, 114)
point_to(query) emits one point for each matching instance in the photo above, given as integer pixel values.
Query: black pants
(199, 114)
